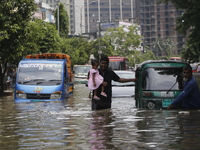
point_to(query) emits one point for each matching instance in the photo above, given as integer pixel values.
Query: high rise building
(159, 21)
(85, 14)
(106, 11)
(156, 20)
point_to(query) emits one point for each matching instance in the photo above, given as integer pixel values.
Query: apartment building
(44, 12)
(84, 15)
(106, 11)
(159, 21)
(156, 20)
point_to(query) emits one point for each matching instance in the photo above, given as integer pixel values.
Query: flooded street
(71, 125)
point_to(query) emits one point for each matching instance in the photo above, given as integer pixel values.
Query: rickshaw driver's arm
(170, 106)
(127, 80)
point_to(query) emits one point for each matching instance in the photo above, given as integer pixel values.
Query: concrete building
(44, 12)
(85, 14)
(54, 3)
(105, 11)
(158, 21)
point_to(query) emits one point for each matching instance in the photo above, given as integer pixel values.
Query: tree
(164, 47)
(41, 37)
(14, 17)
(140, 57)
(78, 48)
(189, 21)
(125, 40)
(104, 46)
(63, 21)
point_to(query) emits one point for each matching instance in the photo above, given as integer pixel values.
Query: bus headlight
(20, 94)
(56, 95)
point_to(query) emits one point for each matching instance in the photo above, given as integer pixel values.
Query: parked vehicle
(194, 67)
(123, 89)
(44, 77)
(176, 58)
(118, 63)
(159, 83)
(81, 73)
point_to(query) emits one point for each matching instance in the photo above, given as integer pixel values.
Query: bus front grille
(38, 96)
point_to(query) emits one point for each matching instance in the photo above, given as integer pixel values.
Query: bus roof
(115, 58)
(160, 61)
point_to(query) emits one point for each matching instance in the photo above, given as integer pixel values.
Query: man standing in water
(108, 74)
(189, 98)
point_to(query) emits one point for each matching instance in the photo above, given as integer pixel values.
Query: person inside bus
(108, 75)
(95, 80)
(189, 98)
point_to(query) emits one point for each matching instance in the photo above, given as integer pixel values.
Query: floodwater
(71, 125)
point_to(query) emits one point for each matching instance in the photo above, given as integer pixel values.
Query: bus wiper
(24, 82)
(38, 80)
(54, 80)
(173, 85)
(27, 81)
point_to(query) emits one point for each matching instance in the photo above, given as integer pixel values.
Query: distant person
(108, 75)
(189, 98)
(95, 80)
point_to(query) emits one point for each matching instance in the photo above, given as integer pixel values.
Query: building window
(167, 33)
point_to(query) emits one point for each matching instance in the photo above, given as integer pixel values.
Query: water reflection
(72, 125)
(170, 129)
(101, 130)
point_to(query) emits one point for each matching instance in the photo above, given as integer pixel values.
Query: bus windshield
(118, 63)
(39, 73)
(82, 69)
(162, 79)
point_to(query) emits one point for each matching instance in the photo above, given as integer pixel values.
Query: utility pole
(99, 34)
(58, 19)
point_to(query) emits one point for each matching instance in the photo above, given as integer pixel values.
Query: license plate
(165, 94)
(166, 102)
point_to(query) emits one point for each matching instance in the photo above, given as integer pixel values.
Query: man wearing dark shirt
(189, 98)
(108, 74)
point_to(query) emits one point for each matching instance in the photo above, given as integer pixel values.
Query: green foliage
(125, 40)
(189, 21)
(63, 21)
(14, 17)
(164, 47)
(41, 37)
(191, 53)
(106, 48)
(78, 48)
(140, 57)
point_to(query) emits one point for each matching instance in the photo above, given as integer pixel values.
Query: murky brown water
(71, 125)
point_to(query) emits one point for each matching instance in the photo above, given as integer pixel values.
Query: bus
(81, 73)
(176, 58)
(118, 63)
(44, 77)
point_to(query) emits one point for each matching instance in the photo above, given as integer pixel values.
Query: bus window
(118, 63)
(175, 58)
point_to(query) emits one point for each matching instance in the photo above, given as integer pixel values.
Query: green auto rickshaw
(159, 83)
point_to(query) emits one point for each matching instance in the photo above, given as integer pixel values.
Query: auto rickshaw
(159, 83)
